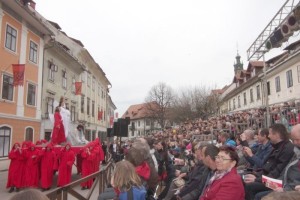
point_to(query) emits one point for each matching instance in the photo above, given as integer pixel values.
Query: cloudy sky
(184, 43)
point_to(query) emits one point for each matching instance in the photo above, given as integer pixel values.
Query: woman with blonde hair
(127, 182)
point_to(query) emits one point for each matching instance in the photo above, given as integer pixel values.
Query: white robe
(66, 118)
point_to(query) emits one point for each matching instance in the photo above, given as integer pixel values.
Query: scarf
(143, 170)
(218, 175)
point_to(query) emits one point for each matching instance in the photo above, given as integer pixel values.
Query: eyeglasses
(221, 158)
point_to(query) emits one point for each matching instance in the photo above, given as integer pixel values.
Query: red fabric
(58, 134)
(143, 170)
(227, 188)
(88, 158)
(16, 162)
(163, 176)
(66, 160)
(48, 158)
(18, 72)
(78, 86)
(79, 162)
(32, 167)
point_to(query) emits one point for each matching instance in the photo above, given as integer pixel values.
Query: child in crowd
(127, 182)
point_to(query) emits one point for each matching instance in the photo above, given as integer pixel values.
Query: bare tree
(197, 102)
(159, 101)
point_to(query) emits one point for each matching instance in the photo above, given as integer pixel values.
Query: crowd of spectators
(233, 163)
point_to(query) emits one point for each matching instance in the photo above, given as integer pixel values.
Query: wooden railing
(103, 176)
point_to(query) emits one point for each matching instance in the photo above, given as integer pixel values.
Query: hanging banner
(78, 86)
(111, 121)
(117, 115)
(100, 113)
(18, 74)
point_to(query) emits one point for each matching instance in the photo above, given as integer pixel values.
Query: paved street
(4, 195)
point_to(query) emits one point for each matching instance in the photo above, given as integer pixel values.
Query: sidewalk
(4, 164)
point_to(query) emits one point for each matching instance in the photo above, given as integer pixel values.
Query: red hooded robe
(16, 162)
(48, 158)
(88, 157)
(32, 167)
(66, 160)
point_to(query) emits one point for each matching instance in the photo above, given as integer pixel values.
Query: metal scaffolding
(257, 49)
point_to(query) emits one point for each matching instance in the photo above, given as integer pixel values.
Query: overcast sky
(184, 43)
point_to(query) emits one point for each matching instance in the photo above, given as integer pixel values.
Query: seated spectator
(257, 160)
(225, 183)
(30, 194)
(247, 139)
(283, 195)
(128, 182)
(278, 159)
(224, 138)
(291, 174)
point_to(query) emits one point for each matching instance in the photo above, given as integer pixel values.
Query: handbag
(179, 182)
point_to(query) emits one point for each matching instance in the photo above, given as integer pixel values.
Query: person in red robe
(66, 160)
(24, 149)
(14, 172)
(79, 162)
(32, 170)
(58, 133)
(97, 148)
(88, 157)
(48, 158)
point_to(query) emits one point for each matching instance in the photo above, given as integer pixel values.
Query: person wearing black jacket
(196, 178)
(274, 165)
(165, 166)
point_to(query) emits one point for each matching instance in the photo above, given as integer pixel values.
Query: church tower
(238, 66)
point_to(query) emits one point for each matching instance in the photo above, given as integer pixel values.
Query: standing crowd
(34, 166)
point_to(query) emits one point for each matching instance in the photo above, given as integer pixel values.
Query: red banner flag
(18, 72)
(111, 121)
(100, 113)
(117, 115)
(78, 86)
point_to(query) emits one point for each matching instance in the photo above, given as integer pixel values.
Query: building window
(257, 92)
(239, 101)
(88, 80)
(73, 85)
(147, 122)
(298, 72)
(7, 87)
(277, 84)
(268, 88)
(29, 134)
(88, 106)
(82, 104)
(229, 105)
(11, 38)
(93, 84)
(289, 78)
(83, 76)
(5, 133)
(93, 108)
(99, 90)
(245, 99)
(49, 106)
(251, 95)
(64, 79)
(73, 113)
(33, 52)
(52, 69)
(233, 104)
(31, 94)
